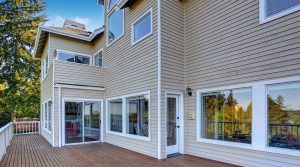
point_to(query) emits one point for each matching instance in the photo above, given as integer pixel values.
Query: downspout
(159, 78)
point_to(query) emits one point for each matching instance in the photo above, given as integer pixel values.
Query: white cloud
(59, 19)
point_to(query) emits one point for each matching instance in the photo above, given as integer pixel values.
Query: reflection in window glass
(91, 121)
(227, 115)
(276, 6)
(284, 115)
(112, 4)
(115, 25)
(115, 115)
(49, 116)
(142, 27)
(66, 57)
(82, 59)
(137, 115)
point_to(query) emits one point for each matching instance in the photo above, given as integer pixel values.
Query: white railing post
(26, 127)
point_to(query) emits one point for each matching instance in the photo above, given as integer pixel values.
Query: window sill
(141, 39)
(129, 135)
(109, 44)
(251, 147)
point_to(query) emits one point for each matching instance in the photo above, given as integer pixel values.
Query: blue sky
(84, 11)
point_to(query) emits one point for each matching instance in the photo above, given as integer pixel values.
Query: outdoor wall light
(189, 91)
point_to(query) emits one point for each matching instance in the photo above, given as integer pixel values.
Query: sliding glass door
(82, 121)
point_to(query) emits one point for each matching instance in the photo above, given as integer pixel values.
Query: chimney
(73, 24)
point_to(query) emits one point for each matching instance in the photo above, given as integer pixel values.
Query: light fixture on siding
(189, 91)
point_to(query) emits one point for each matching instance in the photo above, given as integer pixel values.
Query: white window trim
(124, 113)
(107, 27)
(259, 117)
(43, 116)
(74, 53)
(44, 68)
(112, 8)
(100, 50)
(262, 12)
(136, 21)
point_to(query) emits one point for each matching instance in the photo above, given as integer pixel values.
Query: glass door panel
(73, 122)
(171, 121)
(91, 121)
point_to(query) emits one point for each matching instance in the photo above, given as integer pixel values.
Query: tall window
(137, 115)
(284, 115)
(45, 66)
(115, 25)
(47, 115)
(272, 9)
(115, 115)
(75, 58)
(98, 59)
(227, 115)
(142, 27)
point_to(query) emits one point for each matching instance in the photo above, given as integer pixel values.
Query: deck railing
(26, 127)
(6, 134)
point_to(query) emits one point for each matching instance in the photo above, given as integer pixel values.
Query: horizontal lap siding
(172, 55)
(81, 74)
(225, 45)
(131, 69)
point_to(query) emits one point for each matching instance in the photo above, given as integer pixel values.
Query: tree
(19, 71)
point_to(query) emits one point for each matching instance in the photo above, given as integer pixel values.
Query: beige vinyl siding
(46, 89)
(172, 58)
(69, 44)
(98, 43)
(226, 45)
(132, 69)
(80, 74)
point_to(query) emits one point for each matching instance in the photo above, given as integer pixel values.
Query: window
(115, 115)
(98, 59)
(130, 116)
(73, 57)
(284, 115)
(47, 115)
(272, 9)
(142, 28)
(45, 66)
(112, 3)
(137, 115)
(227, 115)
(115, 25)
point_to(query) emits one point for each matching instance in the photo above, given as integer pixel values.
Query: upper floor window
(115, 25)
(273, 9)
(45, 66)
(142, 28)
(73, 57)
(112, 3)
(98, 59)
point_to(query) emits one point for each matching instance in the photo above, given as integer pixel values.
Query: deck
(34, 150)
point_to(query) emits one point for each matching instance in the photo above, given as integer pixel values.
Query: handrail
(26, 127)
(6, 134)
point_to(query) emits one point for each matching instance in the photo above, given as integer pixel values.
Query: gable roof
(43, 32)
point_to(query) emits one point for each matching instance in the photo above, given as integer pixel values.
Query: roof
(43, 32)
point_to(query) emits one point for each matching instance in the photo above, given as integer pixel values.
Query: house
(215, 79)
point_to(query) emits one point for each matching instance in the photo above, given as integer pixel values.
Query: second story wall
(74, 73)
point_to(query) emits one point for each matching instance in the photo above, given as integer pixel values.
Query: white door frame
(180, 136)
(64, 100)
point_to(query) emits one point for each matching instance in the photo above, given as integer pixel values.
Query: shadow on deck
(34, 150)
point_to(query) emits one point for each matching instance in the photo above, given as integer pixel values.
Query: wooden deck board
(35, 151)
